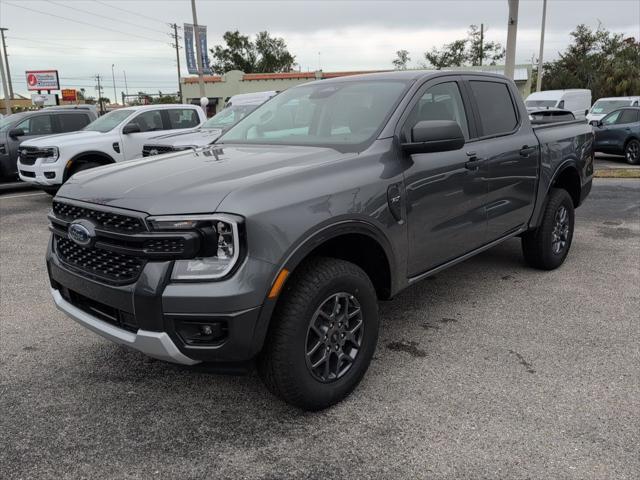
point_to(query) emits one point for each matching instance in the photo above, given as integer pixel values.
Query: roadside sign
(69, 95)
(42, 80)
(44, 100)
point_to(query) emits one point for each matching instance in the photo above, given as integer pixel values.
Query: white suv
(48, 162)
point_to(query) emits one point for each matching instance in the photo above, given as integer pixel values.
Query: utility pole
(7, 100)
(113, 77)
(512, 33)
(544, 21)
(198, 50)
(126, 88)
(177, 47)
(6, 59)
(100, 94)
(481, 42)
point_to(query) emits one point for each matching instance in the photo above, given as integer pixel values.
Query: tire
(51, 190)
(547, 246)
(632, 152)
(286, 365)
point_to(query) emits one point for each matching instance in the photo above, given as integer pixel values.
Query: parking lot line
(22, 195)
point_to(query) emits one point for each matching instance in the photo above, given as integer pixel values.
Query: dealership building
(218, 88)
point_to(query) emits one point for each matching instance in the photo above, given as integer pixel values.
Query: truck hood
(191, 138)
(191, 182)
(63, 139)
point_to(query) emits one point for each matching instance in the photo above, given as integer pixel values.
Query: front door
(511, 152)
(446, 191)
(151, 124)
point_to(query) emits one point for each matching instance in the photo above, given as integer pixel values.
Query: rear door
(71, 122)
(181, 118)
(510, 149)
(445, 192)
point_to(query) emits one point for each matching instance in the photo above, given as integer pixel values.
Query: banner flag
(201, 35)
(189, 50)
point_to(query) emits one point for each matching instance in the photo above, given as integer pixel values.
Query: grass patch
(618, 173)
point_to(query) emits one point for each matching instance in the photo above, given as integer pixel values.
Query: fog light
(202, 332)
(50, 175)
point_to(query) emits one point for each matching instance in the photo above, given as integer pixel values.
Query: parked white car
(576, 100)
(47, 162)
(604, 106)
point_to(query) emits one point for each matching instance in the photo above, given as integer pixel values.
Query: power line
(81, 22)
(130, 12)
(74, 8)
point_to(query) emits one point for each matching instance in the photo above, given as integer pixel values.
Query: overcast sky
(81, 38)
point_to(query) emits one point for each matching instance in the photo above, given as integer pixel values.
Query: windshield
(541, 103)
(109, 121)
(345, 116)
(602, 107)
(229, 116)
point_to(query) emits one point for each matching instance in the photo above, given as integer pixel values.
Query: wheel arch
(91, 155)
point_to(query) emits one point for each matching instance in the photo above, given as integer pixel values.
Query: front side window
(38, 125)
(440, 102)
(109, 121)
(342, 115)
(497, 112)
(150, 121)
(71, 122)
(611, 118)
(183, 118)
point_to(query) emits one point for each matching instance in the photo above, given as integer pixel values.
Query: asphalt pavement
(488, 370)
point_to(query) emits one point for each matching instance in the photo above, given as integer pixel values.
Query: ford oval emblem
(80, 234)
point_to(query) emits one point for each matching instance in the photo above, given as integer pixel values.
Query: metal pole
(177, 45)
(126, 88)
(113, 77)
(481, 43)
(512, 33)
(198, 51)
(6, 59)
(7, 101)
(544, 21)
(100, 94)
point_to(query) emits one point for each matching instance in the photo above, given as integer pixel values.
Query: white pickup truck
(47, 162)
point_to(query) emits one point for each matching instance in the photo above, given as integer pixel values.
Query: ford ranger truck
(48, 162)
(274, 244)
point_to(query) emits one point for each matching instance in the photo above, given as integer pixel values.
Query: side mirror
(430, 136)
(598, 123)
(16, 132)
(131, 128)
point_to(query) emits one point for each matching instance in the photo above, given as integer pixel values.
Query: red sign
(69, 95)
(42, 80)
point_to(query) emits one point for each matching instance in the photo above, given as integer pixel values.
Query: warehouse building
(218, 88)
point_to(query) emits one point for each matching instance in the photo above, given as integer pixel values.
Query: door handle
(527, 150)
(474, 161)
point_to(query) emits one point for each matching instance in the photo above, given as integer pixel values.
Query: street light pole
(512, 33)
(544, 21)
(7, 101)
(113, 77)
(6, 59)
(198, 50)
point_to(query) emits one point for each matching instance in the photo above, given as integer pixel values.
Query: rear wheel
(632, 152)
(323, 334)
(547, 246)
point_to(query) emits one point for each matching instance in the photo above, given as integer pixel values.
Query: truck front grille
(108, 220)
(98, 263)
(150, 150)
(29, 155)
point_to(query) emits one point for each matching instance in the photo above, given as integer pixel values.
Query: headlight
(50, 155)
(220, 251)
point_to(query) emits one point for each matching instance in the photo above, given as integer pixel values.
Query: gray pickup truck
(273, 245)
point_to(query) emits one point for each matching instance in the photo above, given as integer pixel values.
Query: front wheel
(547, 246)
(632, 152)
(322, 336)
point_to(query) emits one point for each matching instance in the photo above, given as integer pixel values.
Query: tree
(473, 50)
(401, 60)
(104, 100)
(266, 54)
(606, 63)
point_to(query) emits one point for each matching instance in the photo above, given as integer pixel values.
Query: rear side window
(71, 122)
(628, 116)
(496, 109)
(149, 121)
(183, 118)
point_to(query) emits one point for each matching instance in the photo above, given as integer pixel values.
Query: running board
(466, 256)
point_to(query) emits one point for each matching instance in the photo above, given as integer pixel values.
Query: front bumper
(156, 309)
(44, 174)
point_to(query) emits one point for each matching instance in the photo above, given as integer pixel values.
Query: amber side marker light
(277, 285)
